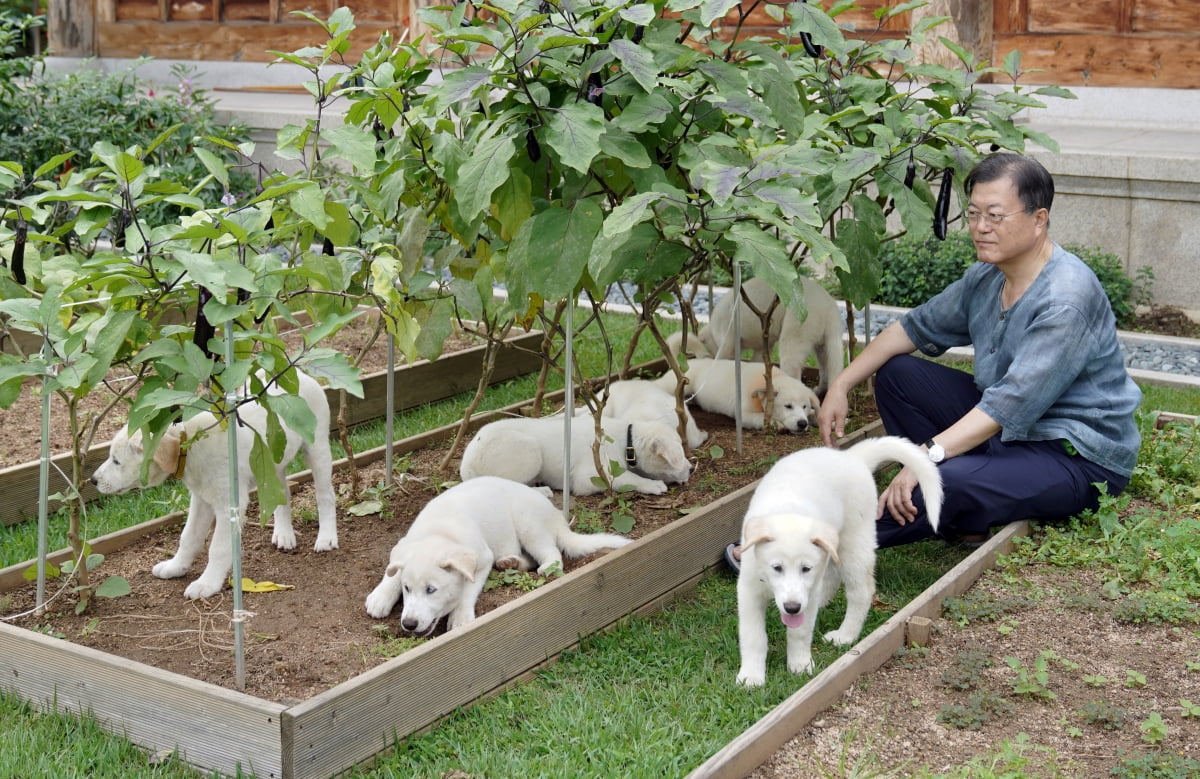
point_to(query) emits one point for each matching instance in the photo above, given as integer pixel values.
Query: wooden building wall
(1072, 42)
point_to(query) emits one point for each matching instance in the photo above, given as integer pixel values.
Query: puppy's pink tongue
(792, 620)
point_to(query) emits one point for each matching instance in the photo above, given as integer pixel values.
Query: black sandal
(730, 559)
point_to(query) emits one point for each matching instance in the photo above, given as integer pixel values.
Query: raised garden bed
(220, 729)
(422, 382)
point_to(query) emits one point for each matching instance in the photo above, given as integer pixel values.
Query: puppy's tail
(875, 452)
(579, 544)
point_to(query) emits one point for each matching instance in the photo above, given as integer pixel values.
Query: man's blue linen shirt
(1050, 367)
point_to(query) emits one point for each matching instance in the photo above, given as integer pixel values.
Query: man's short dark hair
(1035, 185)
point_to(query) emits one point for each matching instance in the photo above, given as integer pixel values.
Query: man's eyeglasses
(973, 217)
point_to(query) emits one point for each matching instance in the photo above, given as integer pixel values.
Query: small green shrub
(49, 114)
(1103, 714)
(966, 672)
(977, 606)
(979, 708)
(916, 269)
(1156, 765)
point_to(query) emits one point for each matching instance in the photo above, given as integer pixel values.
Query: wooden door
(1126, 43)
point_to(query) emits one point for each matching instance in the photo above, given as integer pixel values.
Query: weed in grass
(391, 645)
(857, 761)
(525, 581)
(910, 657)
(1189, 709)
(966, 672)
(1011, 759)
(1033, 682)
(1102, 714)
(1135, 679)
(1156, 607)
(977, 605)
(1154, 729)
(1156, 765)
(979, 708)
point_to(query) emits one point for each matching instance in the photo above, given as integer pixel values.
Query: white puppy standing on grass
(530, 451)
(196, 451)
(810, 527)
(441, 565)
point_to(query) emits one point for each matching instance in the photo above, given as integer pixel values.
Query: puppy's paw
(169, 569)
(202, 588)
(654, 488)
(751, 678)
(458, 618)
(841, 637)
(380, 602)
(802, 664)
(326, 543)
(549, 493)
(555, 564)
(284, 538)
(510, 563)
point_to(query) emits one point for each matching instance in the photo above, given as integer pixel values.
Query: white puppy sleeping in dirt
(530, 451)
(710, 383)
(196, 451)
(441, 564)
(644, 401)
(810, 526)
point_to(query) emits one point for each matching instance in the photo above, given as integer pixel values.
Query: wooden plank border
(424, 381)
(162, 711)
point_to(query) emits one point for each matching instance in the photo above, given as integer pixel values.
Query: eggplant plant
(561, 147)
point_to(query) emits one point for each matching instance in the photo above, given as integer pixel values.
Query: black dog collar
(630, 453)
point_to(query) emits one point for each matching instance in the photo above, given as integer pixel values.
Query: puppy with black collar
(649, 454)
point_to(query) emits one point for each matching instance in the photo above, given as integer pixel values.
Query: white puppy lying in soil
(644, 401)
(441, 565)
(810, 527)
(530, 451)
(710, 383)
(196, 451)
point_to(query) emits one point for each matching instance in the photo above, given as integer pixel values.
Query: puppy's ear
(830, 546)
(166, 456)
(755, 532)
(462, 561)
(756, 401)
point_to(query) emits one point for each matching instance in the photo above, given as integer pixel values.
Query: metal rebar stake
(235, 521)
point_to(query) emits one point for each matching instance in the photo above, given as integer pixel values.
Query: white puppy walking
(441, 565)
(530, 451)
(196, 451)
(711, 384)
(810, 526)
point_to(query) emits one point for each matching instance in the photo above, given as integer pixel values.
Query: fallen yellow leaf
(249, 585)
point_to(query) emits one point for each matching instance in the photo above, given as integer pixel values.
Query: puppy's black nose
(792, 608)
(409, 624)
(93, 480)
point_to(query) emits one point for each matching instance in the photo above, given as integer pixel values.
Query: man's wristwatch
(937, 452)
